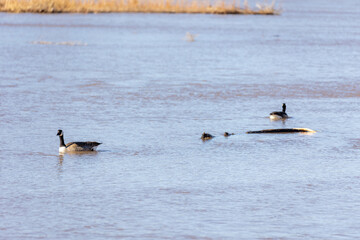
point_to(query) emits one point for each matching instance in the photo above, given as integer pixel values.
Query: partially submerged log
(284, 130)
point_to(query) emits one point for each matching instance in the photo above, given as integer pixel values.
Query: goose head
(59, 133)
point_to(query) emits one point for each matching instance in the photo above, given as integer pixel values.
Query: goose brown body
(82, 146)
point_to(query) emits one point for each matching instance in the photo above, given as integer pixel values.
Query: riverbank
(135, 6)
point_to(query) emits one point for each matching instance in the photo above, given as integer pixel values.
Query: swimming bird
(206, 136)
(279, 115)
(75, 146)
(226, 134)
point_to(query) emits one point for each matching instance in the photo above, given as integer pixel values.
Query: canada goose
(206, 136)
(75, 146)
(279, 115)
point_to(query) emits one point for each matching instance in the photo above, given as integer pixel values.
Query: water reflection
(60, 164)
(61, 157)
(80, 153)
(283, 121)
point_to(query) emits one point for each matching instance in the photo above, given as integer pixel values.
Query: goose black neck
(284, 108)
(62, 143)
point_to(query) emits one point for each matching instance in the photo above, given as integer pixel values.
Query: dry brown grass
(136, 6)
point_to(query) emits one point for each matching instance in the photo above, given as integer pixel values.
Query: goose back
(82, 146)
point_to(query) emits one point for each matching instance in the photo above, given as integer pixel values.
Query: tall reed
(136, 6)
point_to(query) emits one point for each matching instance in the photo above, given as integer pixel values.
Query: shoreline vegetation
(137, 6)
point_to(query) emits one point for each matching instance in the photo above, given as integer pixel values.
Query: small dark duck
(206, 136)
(226, 134)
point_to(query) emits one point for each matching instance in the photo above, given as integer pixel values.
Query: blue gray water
(133, 82)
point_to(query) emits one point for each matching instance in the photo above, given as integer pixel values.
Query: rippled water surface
(133, 82)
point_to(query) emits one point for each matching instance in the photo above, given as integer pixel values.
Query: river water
(134, 83)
